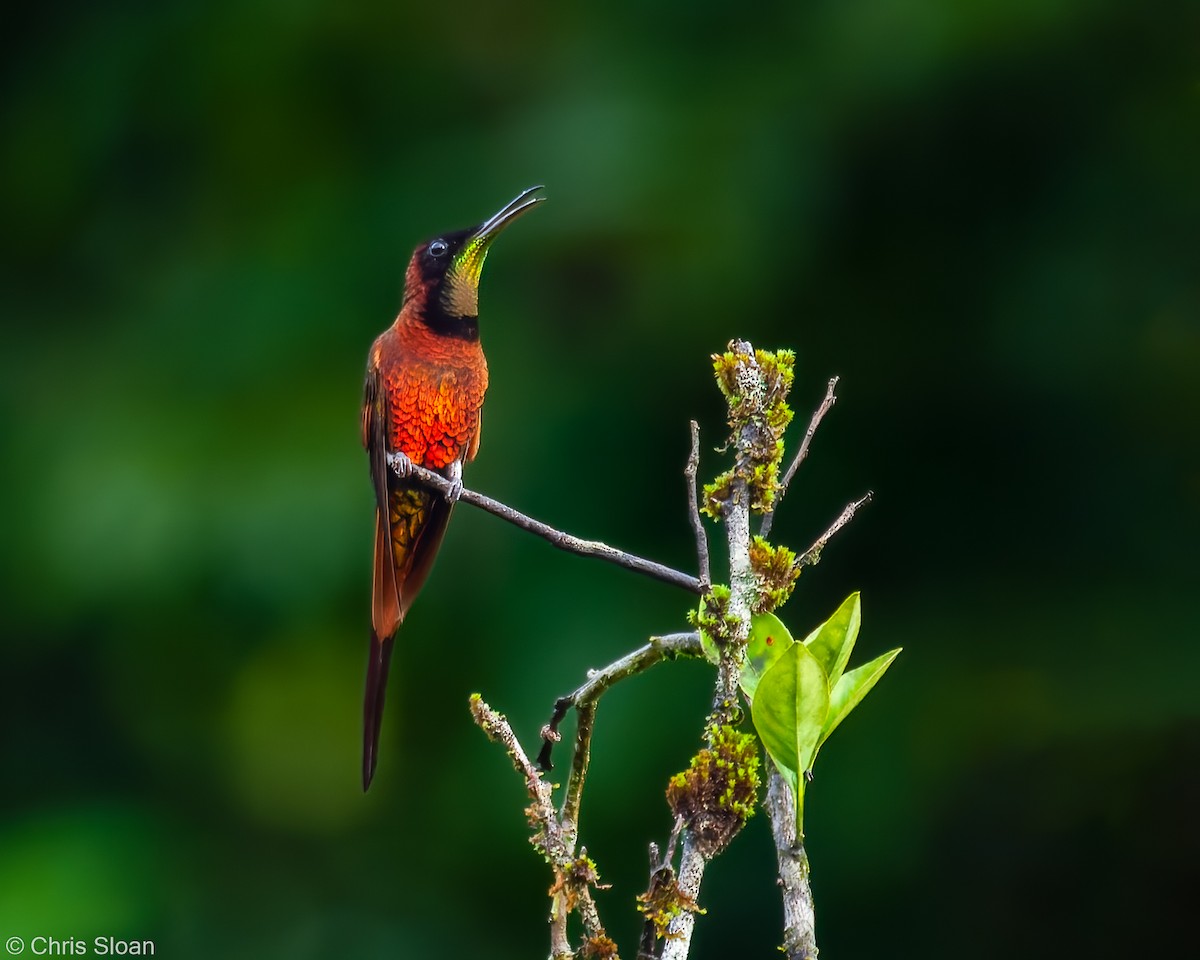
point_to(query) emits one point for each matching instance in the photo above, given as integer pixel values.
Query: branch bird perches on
(564, 541)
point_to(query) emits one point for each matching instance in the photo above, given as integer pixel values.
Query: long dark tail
(377, 675)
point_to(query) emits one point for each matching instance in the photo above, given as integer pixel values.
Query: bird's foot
(456, 484)
(401, 465)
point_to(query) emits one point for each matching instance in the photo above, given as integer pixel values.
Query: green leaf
(769, 640)
(789, 710)
(790, 707)
(851, 688)
(832, 642)
(711, 653)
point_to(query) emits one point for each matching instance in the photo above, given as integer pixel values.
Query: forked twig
(571, 890)
(659, 648)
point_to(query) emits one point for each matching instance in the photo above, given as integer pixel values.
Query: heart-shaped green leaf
(769, 640)
(832, 642)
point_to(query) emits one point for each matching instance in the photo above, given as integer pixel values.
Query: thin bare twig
(693, 464)
(659, 648)
(818, 415)
(812, 556)
(564, 541)
(569, 815)
(585, 722)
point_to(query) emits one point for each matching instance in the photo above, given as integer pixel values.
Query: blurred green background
(983, 216)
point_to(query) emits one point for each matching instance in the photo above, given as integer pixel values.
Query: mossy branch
(714, 797)
(755, 385)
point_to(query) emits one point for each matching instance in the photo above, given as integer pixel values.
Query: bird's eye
(438, 248)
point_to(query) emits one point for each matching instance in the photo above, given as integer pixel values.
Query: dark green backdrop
(982, 216)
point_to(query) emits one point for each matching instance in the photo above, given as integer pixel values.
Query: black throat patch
(444, 325)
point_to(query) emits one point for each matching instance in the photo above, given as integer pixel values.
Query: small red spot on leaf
(770, 640)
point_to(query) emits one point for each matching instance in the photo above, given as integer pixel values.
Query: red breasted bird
(426, 377)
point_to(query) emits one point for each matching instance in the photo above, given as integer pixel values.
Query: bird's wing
(385, 595)
(473, 443)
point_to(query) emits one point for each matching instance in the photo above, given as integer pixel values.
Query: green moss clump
(718, 792)
(716, 494)
(713, 618)
(776, 572)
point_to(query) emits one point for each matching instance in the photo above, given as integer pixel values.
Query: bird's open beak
(514, 208)
(461, 295)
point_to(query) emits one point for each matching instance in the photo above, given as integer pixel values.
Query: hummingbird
(426, 378)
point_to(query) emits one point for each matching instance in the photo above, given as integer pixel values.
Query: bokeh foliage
(982, 216)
